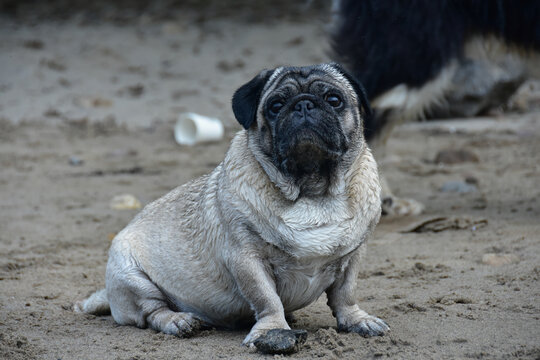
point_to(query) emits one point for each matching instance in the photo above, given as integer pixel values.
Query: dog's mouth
(309, 153)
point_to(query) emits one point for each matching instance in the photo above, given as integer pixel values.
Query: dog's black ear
(365, 108)
(246, 99)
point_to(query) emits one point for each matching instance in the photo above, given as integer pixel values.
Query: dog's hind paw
(395, 206)
(181, 324)
(186, 325)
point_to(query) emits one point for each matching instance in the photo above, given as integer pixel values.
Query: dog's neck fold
(288, 185)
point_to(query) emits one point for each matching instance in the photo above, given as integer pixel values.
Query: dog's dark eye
(333, 100)
(275, 107)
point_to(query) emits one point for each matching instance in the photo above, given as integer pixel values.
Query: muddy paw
(281, 341)
(392, 205)
(263, 326)
(370, 326)
(252, 336)
(183, 325)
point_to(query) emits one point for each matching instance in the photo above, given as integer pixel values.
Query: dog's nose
(304, 105)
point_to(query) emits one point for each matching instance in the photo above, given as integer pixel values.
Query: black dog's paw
(395, 206)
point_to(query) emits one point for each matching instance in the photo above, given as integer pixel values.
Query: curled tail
(96, 304)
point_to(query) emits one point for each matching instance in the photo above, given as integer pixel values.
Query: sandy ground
(106, 96)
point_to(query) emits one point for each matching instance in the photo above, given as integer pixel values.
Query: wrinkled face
(307, 118)
(304, 119)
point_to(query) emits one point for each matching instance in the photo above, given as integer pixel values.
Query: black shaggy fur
(388, 42)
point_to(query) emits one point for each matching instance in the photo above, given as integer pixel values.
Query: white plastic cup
(193, 128)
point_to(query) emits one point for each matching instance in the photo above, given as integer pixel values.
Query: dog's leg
(258, 288)
(135, 300)
(341, 299)
(96, 304)
(393, 205)
(403, 104)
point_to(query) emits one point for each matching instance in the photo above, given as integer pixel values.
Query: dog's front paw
(367, 326)
(262, 327)
(392, 205)
(253, 335)
(281, 341)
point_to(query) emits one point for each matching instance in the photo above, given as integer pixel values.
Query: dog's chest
(314, 229)
(301, 282)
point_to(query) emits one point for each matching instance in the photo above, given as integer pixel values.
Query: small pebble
(75, 161)
(499, 259)
(89, 102)
(458, 187)
(125, 202)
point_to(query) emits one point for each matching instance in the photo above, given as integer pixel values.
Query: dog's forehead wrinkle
(291, 83)
(304, 77)
(287, 88)
(318, 84)
(303, 72)
(299, 73)
(311, 86)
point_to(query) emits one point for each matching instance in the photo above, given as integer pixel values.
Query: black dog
(411, 54)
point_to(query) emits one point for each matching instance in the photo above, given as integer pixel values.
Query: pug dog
(281, 220)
